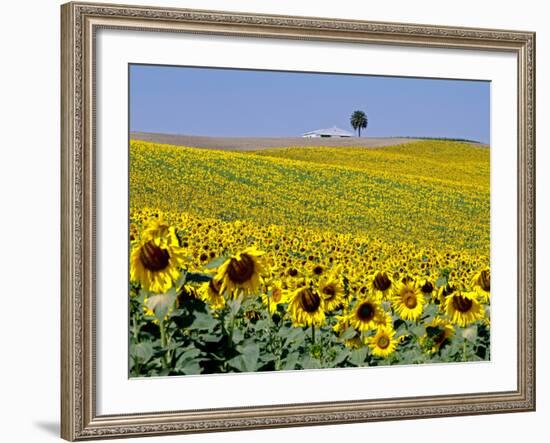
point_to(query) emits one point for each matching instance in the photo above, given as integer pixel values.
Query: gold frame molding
(79, 23)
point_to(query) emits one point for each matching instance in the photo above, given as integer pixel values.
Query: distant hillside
(434, 193)
(450, 139)
(442, 160)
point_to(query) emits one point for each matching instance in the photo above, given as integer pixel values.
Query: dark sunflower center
(462, 304)
(153, 257)
(439, 338)
(427, 288)
(366, 312)
(382, 282)
(318, 270)
(485, 280)
(309, 300)
(329, 291)
(383, 342)
(276, 295)
(214, 286)
(409, 299)
(241, 270)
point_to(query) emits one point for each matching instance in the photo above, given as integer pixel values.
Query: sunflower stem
(163, 343)
(137, 365)
(464, 351)
(313, 333)
(136, 327)
(231, 329)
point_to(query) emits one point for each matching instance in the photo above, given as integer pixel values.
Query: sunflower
(342, 323)
(157, 227)
(386, 320)
(463, 308)
(332, 291)
(317, 269)
(427, 288)
(156, 259)
(278, 296)
(381, 285)
(438, 333)
(444, 291)
(341, 327)
(367, 314)
(134, 231)
(241, 273)
(481, 283)
(306, 307)
(211, 295)
(408, 300)
(383, 343)
(354, 342)
(186, 293)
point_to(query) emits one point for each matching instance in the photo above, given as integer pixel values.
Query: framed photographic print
(282, 221)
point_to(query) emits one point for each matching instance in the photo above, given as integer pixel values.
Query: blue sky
(231, 102)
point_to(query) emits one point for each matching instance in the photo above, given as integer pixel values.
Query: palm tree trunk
(359, 128)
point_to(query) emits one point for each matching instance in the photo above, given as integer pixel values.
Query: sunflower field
(307, 257)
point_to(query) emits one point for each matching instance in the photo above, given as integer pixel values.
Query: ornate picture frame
(80, 23)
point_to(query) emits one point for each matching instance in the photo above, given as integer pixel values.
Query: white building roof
(331, 132)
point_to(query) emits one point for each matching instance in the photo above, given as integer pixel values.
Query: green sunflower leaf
(204, 322)
(142, 352)
(188, 354)
(160, 304)
(470, 333)
(235, 306)
(358, 356)
(247, 361)
(348, 333)
(187, 361)
(195, 277)
(441, 281)
(290, 361)
(311, 363)
(216, 263)
(261, 325)
(418, 330)
(291, 336)
(430, 310)
(191, 368)
(181, 280)
(341, 355)
(398, 323)
(238, 336)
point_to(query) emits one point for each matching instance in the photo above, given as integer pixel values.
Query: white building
(330, 132)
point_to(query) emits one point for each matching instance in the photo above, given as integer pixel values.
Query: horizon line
(423, 137)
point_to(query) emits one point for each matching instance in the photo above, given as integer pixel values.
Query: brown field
(257, 143)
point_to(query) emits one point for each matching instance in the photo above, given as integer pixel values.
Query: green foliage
(358, 121)
(197, 340)
(160, 304)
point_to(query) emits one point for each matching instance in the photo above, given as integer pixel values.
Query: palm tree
(359, 120)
